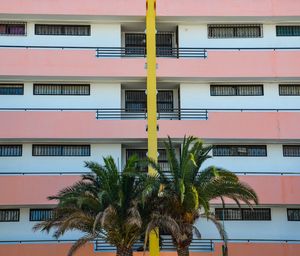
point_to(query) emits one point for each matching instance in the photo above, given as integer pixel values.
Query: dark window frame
(243, 214)
(9, 87)
(236, 89)
(280, 89)
(61, 89)
(284, 152)
(261, 147)
(17, 211)
(32, 210)
(20, 149)
(144, 102)
(235, 27)
(61, 150)
(294, 29)
(292, 209)
(62, 28)
(9, 24)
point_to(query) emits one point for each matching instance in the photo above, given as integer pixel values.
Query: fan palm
(187, 192)
(103, 204)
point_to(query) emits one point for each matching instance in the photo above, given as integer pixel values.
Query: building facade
(73, 89)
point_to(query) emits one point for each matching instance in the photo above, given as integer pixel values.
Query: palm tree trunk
(124, 251)
(183, 251)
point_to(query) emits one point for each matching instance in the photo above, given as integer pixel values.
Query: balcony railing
(168, 52)
(165, 114)
(166, 244)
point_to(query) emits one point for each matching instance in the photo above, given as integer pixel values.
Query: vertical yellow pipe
(151, 102)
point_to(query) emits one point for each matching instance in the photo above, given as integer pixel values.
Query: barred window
(293, 214)
(40, 214)
(236, 90)
(289, 89)
(142, 153)
(11, 89)
(9, 215)
(135, 43)
(291, 150)
(288, 30)
(9, 28)
(61, 89)
(61, 150)
(137, 100)
(235, 31)
(10, 150)
(258, 214)
(240, 150)
(62, 30)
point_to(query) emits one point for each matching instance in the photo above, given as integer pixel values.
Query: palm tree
(103, 204)
(187, 192)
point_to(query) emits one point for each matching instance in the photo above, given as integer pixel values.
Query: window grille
(11, 89)
(293, 214)
(288, 30)
(135, 43)
(137, 101)
(142, 153)
(10, 150)
(8, 28)
(291, 150)
(40, 214)
(235, 31)
(61, 150)
(236, 90)
(9, 215)
(62, 30)
(240, 150)
(61, 89)
(259, 214)
(289, 89)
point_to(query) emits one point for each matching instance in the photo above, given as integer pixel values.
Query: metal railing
(166, 244)
(167, 52)
(165, 114)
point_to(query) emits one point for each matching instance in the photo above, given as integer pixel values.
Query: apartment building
(73, 89)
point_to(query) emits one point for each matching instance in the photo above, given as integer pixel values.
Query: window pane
(57, 89)
(288, 30)
(40, 214)
(293, 214)
(12, 28)
(291, 150)
(11, 89)
(289, 89)
(240, 150)
(236, 90)
(9, 215)
(259, 214)
(67, 30)
(10, 150)
(61, 150)
(235, 31)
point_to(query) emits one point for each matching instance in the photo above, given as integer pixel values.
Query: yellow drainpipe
(151, 102)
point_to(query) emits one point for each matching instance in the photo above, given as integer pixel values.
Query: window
(240, 150)
(291, 150)
(11, 89)
(293, 214)
(137, 101)
(40, 214)
(135, 43)
(289, 89)
(142, 153)
(61, 89)
(235, 31)
(10, 150)
(61, 150)
(243, 214)
(236, 90)
(288, 30)
(62, 30)
(9, 215)
(12, 28)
